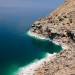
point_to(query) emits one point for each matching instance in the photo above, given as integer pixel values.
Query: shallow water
(17, 49)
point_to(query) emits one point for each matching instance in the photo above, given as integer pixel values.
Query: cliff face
(60, 22)
(59, 26)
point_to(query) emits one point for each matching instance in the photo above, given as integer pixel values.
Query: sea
(17, 48)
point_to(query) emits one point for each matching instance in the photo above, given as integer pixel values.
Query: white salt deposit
(29, 70)
(36, 35)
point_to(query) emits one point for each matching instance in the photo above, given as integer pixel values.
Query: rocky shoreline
(32, 34)
(58, 26)
(30, 69)
(62, 63)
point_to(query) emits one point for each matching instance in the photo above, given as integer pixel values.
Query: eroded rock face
(58, 22)
(60, 26)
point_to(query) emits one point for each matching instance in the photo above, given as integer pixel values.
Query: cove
(16, 48)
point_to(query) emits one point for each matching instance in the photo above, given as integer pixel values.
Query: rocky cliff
(58, 26)
(60, 22)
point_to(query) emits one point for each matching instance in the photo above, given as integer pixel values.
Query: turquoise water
(17, 49)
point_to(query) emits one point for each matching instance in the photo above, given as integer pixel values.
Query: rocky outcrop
(58, 22)
(59, 26)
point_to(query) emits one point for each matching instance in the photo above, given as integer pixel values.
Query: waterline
(30, 69)
(46, 44)
(35, 35)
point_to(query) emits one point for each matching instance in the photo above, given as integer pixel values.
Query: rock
(59, 26)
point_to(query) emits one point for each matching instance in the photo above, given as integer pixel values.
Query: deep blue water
(16, 48)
